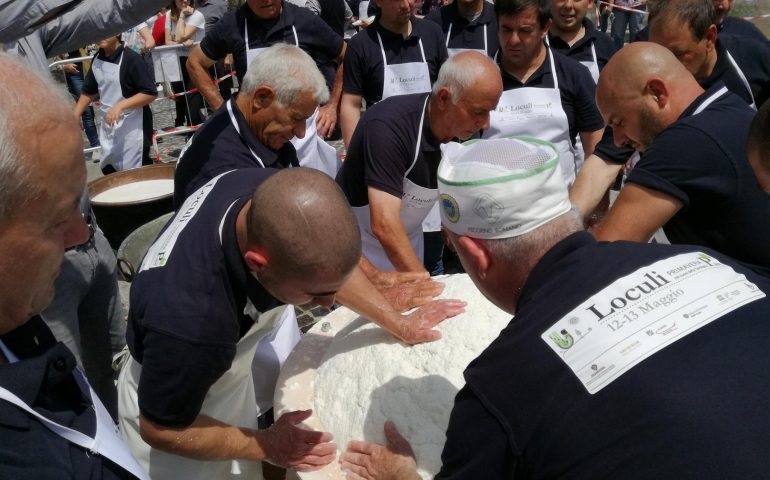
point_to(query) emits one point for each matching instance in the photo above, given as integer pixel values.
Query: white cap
(501, 187)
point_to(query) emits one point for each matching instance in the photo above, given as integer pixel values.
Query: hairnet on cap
(500, 188)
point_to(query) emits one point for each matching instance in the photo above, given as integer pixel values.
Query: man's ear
(263, 96)
(256, 259)
(478, 253)
(711, 36)
(657, 88)
(444, 96)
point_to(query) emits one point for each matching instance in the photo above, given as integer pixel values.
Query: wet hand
(291, 447)
(417, 327)
(371, 461)
(406, 290)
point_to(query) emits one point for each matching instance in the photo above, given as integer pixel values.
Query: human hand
(417, 327)
(228, 61)
(326, 120)
(187, 10)
(113, 115)
(291, 447)
(371, 461)
(70, 68)
(188, 42)
(406, 290)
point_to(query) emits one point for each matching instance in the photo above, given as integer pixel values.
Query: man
(53, 425)
(577, 388)
(729, 25)
(628, 16)
(573, 35)
(256, 25)
(397, 54)
(759, 147)
(693, 178)
(187, 398)
(389, 175)
(468, 25)
(546, 95)
(278, 94)
(745, 74)
(688, 29)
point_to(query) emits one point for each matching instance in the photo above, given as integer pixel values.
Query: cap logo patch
(451, 209)
(488, 209)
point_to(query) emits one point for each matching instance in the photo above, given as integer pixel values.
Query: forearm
(136, 101)
(205, 439)
(336, 94)
(361, 296)
(398, 248)
(82, 104)
(350, 114)
(197, 67)
(592, 182)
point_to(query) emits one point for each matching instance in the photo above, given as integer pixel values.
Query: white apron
(593, 67)
(107, 441)
(536, 112)
(312, 150)
(455, 51)
(122, 142)
(404, 78)
(416, 203)
(230, 399)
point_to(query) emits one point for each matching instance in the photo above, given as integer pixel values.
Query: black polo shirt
(465, 34)
(752, 57)
(217, 148)
(581, 50)
(382, 150)
(694, 409)
(186, 315)
(739, 27)
(43, 378)
(227, 36)
(576, 87)
(364, 73)
(135, 77)
(701, 161)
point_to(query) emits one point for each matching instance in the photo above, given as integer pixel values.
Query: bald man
(694, 179)
(209, 294)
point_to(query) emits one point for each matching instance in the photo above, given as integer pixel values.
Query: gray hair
(289, 71)
(534, 244)
(459, 73)
(27, 99)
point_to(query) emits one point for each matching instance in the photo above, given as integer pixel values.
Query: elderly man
(546, 95)
(693, 179)
(606, 366)
(389, 176)
(246, 33)
(52, 425)
(688, 28)
(277, 95)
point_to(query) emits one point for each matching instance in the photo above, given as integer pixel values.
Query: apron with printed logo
(123, 141)
(416, 203)
(537, 113)
(404, 78)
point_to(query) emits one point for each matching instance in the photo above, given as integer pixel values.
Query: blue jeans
(625, 19)
(75, 87)
(87, 315)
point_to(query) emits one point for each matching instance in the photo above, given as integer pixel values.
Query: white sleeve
(196, 20)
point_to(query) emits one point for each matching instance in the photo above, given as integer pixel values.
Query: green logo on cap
(451, 209)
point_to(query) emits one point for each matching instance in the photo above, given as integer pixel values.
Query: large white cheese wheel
(365, 377)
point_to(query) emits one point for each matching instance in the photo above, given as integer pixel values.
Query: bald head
(301, 218)
(641, 91)
(30, 104)
(468, 71)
